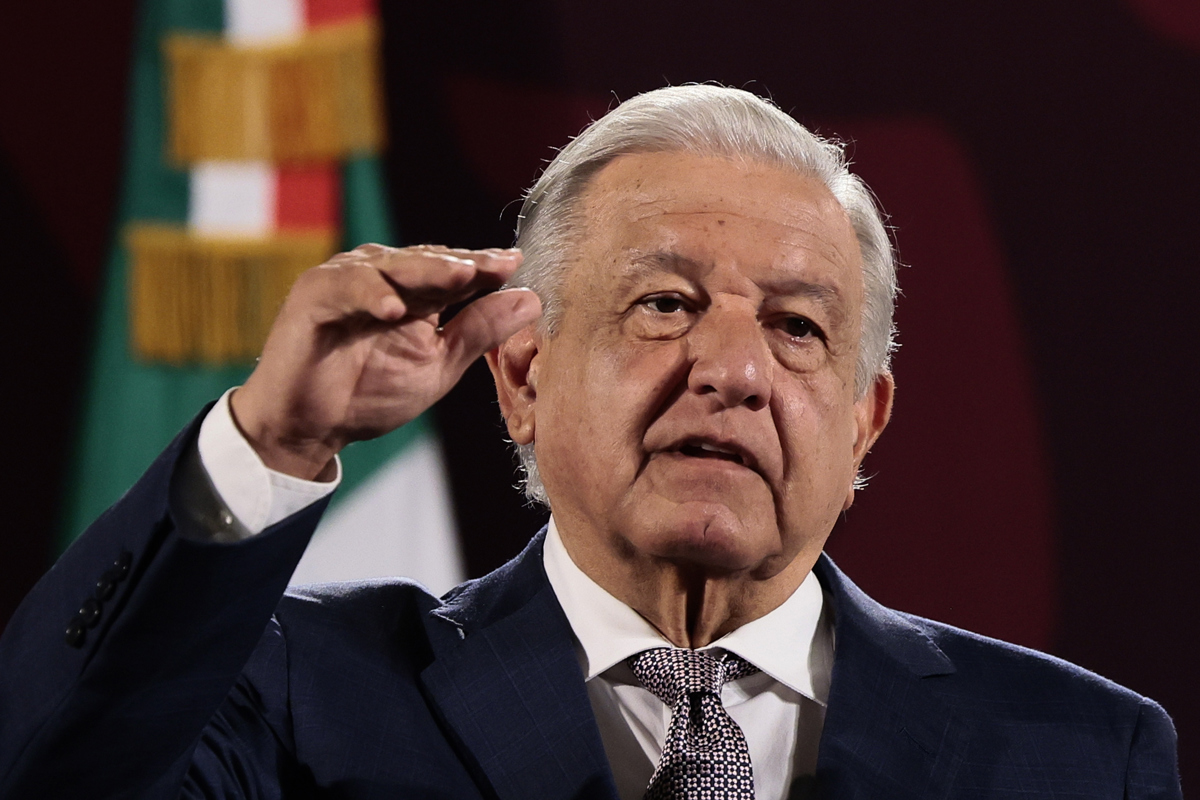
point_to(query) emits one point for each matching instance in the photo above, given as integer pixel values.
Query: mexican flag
(254, 133)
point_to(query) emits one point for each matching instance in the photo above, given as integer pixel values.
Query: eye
(662, 315)
(800, 328)
(665, 303)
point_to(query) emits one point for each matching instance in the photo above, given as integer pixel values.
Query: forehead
(679, 210)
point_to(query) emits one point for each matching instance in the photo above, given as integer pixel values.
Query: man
(694, 404)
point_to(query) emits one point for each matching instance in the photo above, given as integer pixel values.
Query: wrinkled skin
(357, 350)
(694, 414)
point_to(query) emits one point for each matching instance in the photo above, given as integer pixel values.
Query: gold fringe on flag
(314, 99)
(198, 299)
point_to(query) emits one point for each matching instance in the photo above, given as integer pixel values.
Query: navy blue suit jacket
(196, 679)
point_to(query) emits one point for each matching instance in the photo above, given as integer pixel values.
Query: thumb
(486, 324)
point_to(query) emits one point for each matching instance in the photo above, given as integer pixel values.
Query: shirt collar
(793, 643)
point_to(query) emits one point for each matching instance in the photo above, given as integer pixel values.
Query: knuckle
(459, 263)
(371, 248)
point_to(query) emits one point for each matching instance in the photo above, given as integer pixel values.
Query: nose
(730, 358)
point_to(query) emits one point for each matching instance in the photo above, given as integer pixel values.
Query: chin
(709, 535)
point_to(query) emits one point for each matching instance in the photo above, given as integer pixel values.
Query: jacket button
(75, 633)
(89, 612)
(122, 564)
(105, 587)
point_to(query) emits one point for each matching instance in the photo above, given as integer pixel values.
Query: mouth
(720, 451)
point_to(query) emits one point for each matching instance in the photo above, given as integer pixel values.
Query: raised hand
(356, 350)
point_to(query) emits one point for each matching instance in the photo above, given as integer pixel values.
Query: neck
(693, 609)
(692, 605)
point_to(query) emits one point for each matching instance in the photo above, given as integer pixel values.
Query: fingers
(430, 279)
(391, 283)
(486, 324)
(435, 266)
(342, 289)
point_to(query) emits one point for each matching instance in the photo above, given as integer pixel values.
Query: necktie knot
(673, 673)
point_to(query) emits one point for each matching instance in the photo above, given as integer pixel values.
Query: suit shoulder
(363, 614)
(1023, 701)
(1010, 673)
(376, 597)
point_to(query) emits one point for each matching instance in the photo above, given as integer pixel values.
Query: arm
(102, 714)
(355, 352)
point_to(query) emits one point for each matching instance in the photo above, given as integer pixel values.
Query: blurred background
(1039, 162)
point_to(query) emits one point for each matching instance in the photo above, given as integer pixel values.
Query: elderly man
(694, 404)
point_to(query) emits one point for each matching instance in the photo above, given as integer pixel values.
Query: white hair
(709, 121)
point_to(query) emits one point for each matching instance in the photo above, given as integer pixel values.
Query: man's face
(697, 401)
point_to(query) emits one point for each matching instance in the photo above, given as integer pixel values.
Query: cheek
(817, 427)
(594, 417)
(606, 402)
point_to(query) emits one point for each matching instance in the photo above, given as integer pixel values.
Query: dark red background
(1040, 164)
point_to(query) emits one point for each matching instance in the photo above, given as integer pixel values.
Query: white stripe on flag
(232, 198)
(396, 523)
(250, 22)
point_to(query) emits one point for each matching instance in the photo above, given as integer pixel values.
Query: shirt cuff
(254, 494)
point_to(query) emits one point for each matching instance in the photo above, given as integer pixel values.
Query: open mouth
(709, 450)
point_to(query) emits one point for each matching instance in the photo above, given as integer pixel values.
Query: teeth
(706, 447)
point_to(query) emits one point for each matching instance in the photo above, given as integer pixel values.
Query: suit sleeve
(1153, 767)
(122, 653)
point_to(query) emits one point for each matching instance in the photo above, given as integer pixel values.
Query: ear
(871, 415)
(514, 366)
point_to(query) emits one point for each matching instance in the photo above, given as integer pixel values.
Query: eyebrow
(667, 261)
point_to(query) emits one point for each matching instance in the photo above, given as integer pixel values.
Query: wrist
(280, 449)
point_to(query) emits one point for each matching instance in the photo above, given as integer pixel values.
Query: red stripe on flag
(330, 12)
(308, 197)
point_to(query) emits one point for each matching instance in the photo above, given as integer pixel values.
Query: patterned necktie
(705, 755)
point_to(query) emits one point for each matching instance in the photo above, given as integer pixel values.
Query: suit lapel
(887, 733)
(507, 683)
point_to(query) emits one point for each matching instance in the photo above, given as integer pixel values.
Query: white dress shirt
(781, 709)
(256, 495)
